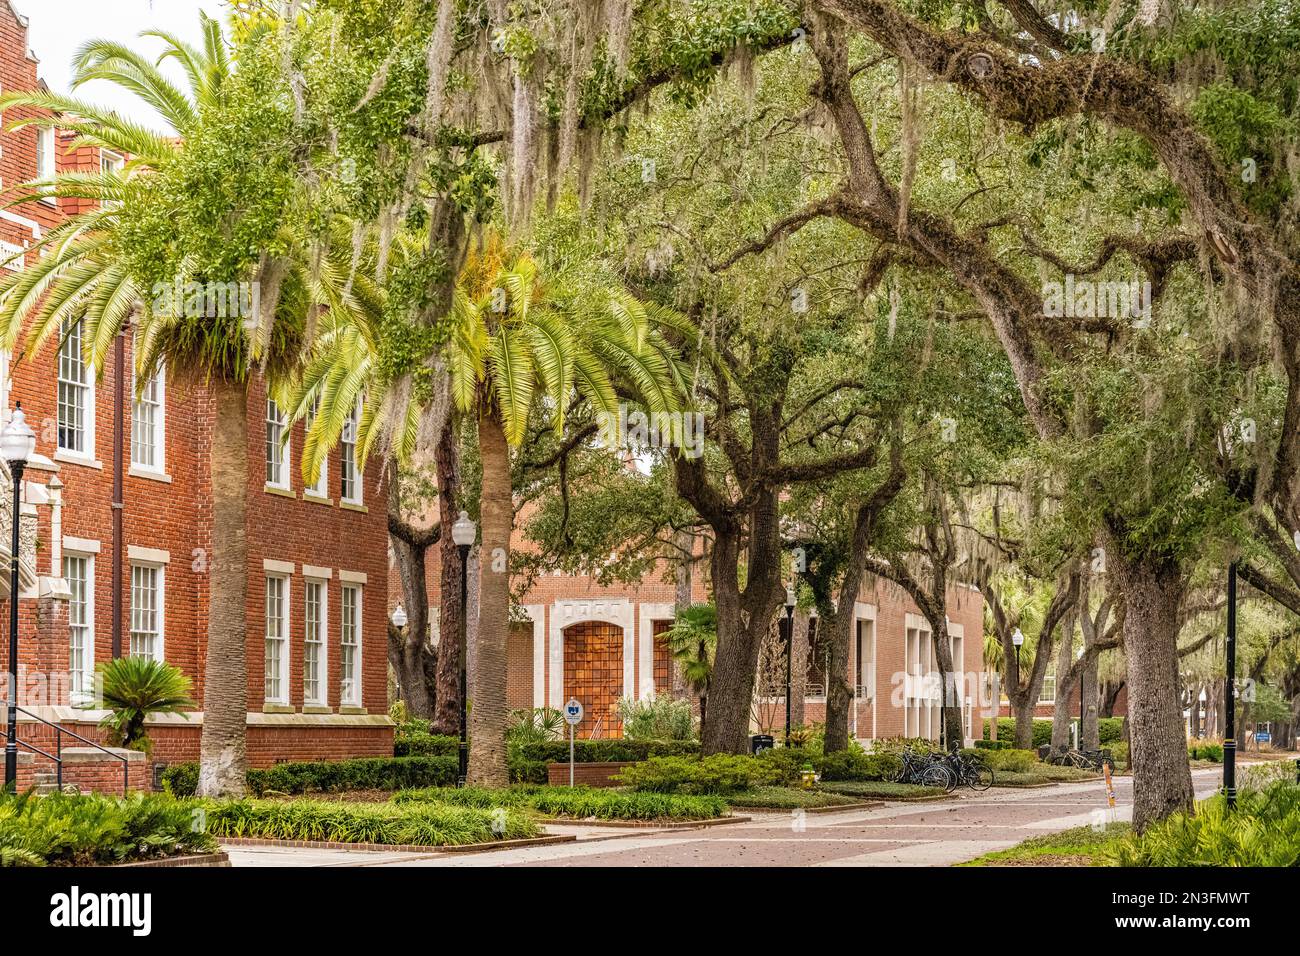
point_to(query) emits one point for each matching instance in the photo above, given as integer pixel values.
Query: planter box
(586, 774)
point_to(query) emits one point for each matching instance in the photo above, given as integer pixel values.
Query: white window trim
(284, 480)
(159, 468)
(47, 137)
(1049, 680)
(323, 653)
(285, 639)
(87, 456)
(88, 663)
(140, 559)
(357, 697)
(358, 475)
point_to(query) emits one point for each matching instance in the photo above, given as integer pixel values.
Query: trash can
(760, 742)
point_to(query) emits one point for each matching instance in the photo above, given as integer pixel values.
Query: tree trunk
(1162, 782)
(223, 745)
(799, 666)
(1062, 712)
(1024, 726)
(952, 698)
(1088, 693)
(731, 688)
(488, 710)
(1110, 697)
(839, 694)
(447, 702)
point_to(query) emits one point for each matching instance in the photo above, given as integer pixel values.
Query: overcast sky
(58, 28)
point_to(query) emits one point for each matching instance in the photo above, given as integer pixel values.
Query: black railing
(57, 756)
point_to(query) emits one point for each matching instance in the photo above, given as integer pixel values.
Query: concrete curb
(220, 858)
(837, 808)
(647, 824)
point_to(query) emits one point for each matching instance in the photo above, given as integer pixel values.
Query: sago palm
(79, 274)
(131, 689)
(517, 344)
(693, 641)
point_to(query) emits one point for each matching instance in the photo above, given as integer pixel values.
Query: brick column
(51, 641)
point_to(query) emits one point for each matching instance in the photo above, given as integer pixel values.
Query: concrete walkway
(937, 833)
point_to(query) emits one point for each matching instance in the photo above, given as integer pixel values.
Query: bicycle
(1081, 759)
(924, 769)
(970, 771)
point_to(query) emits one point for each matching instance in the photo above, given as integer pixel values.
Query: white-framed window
(76, 396)
(1048, 694)
(149, 425)
(110, 162)
(350, 483)
(315, 664)
(45, 159)
(276, 684)
(321, 489)
(79, 572)
(147, 583)
(350, 645)
(277, 446)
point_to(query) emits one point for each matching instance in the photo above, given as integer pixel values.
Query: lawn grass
(879, 789)
(577, 803)
(787, 798)
(417, 824)
(1081, 846)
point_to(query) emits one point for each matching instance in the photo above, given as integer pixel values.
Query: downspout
(119, 504)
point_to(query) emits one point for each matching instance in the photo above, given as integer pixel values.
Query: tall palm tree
(517, 345)
(78, 276)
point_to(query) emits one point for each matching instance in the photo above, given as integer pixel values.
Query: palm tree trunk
(447, 701)
(488, 710)
(223, 747)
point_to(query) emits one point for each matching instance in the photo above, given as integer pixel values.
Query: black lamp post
(1230, 696)
(789, 655)
(464, 532)
(17, 442)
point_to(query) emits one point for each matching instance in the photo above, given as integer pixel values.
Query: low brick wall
(88, 769)
(586, 774)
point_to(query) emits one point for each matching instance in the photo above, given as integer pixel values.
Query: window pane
(313, 641)
(144, 612)
(350, 645)
(73, 391)
(80, 636)
(274, 637)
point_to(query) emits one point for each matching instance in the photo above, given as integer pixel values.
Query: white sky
(58, 28)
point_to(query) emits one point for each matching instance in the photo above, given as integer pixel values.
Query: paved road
(900, 834)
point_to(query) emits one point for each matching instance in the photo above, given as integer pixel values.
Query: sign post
(573, 717)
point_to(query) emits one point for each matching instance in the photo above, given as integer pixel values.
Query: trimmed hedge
(603, 751)
(425, 745)
(1109, 730)
(857, 765)
(716, 774)
(385, 823)
(577, 803)
(365, 773)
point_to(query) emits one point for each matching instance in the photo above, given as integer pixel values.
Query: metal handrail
(59, 731)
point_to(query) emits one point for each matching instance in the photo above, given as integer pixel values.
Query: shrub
(1119, 753)
(96, 829)
(992, 745)
(787, 762)
(717, 774)
(1205, 750)
(135, 687)
(1010, 761)
(896, 745)
(858, 765)
(528, 771)
(365, 773)
(599, 751)
(384, 823)
(1110, 730)
(539, 725)
(578, 802)
(1042, 731)
(1264, 830)
(658, 718)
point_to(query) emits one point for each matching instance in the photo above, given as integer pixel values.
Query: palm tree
(516, 345)
(77, 276)
(693, 640)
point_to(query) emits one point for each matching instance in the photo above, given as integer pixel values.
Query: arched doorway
(593, 673)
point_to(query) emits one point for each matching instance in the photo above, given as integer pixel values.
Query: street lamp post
(17, 442)
(399, 617)
(464, 533)
(1230, 696)
(789, 655)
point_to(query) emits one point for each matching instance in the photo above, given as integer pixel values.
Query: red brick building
(117, 526)
(601, 643)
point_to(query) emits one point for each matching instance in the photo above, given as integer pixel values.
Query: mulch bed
(396, 847)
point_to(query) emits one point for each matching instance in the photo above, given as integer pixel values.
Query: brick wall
(169, 512)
